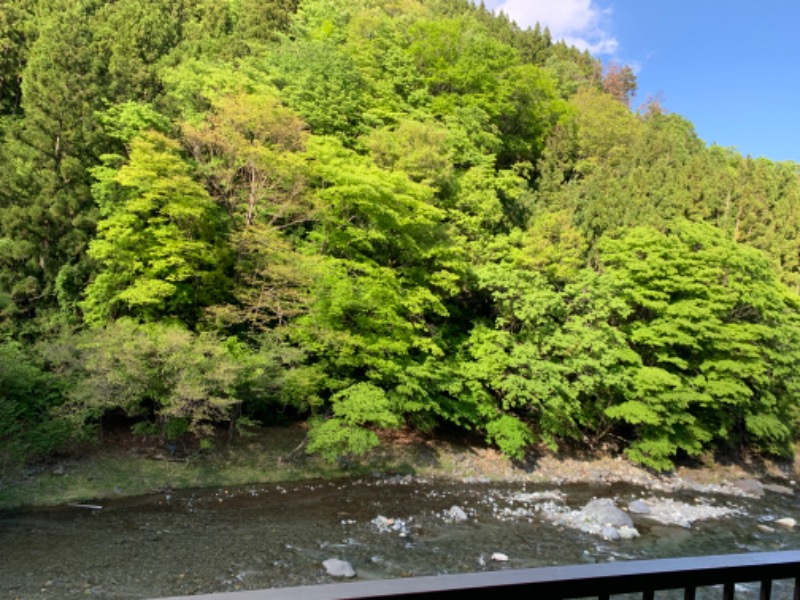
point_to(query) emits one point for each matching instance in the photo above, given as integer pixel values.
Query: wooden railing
(580, 581)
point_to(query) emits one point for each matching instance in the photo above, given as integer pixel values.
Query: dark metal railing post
(766, 590)
(727, 591)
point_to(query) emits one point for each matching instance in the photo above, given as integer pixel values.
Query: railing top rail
(573, 581)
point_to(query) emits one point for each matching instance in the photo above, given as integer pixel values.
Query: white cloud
(578, 22)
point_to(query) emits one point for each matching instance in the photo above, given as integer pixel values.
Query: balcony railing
(580, 581)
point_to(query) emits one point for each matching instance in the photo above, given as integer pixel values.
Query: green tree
(155, 246)
(319, 81)
(549, 363)
(183, 383)
(249, 150)
(17, 31)
(716, 333)
(29, 398)
(48, 215)
(372, 314)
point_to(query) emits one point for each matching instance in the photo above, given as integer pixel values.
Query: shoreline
(139, 467)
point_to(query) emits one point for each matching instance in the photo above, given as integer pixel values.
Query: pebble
(786, 522)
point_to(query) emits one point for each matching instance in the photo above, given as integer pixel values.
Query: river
(192, 541)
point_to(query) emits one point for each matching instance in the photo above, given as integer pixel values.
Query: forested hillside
(370, 214)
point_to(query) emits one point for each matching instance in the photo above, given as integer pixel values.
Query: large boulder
(779, 489)
(639, 507)
(603, 511)
(751, 487)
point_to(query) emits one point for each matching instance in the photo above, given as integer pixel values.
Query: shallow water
(278, 535)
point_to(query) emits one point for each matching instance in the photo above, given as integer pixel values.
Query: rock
(671, 512)
(766, 528)
(499, 557)
(786, 522)
(628, 533)
(779, 489)
(339, 568)
(639, 507)
(604, 512)
(751, 487)
(610, 534)
(386, 525)
(382, 523)
(58, 470)
(457, 515)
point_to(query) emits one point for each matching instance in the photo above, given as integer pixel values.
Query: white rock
(604, 512)
(787, 522)
(457, 514)
(499, 557)
(628, 533)
(610, 534)
(339, 568)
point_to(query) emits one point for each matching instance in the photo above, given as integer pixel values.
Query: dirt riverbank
(130, 466)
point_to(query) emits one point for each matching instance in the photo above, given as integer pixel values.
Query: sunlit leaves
(155, 243)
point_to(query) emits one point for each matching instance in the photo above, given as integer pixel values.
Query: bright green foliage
(462, 64)
(155, 243)
(551, 359)
(344, 433)
(321, 83)
(373, 307)
(229, 30)
(247, 147)
(715, 332)
(418, 149)
(510, 435)
(379, 213)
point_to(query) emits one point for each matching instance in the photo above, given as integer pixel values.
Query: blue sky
(732, 68)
